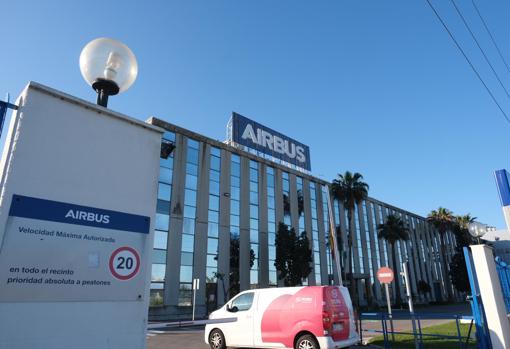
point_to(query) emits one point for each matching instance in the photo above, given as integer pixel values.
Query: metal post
(196, 283)
(410, 302)
(389, 310)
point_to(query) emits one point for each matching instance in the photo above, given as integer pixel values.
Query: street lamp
(477, 230)
(109, 67)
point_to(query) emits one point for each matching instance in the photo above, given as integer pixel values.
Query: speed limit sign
(124, 263)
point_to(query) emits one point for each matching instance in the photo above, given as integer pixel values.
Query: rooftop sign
(261, 138)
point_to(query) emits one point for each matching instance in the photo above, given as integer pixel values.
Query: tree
(350, 190)
(423, 287)
(458, 269)
(235, 286)
(394, 230)
(443, 220)
(293, 255)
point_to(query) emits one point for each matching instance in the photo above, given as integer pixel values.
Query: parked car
(307, 317)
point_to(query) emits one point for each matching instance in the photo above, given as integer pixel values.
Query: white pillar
(492, 296)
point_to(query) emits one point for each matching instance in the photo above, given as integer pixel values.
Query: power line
(480, 47)
(467, 59)
(490, 34)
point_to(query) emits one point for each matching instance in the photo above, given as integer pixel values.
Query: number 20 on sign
(124, 263)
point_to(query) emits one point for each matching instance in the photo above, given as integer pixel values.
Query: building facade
(218, 210)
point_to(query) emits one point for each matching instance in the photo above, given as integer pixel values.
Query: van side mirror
(232, 309)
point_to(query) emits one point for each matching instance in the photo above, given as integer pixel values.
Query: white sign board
(76, 253)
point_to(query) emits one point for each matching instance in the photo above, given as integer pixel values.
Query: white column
(492, 296)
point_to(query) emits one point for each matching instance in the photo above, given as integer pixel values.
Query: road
(185, 337)
(193, 337)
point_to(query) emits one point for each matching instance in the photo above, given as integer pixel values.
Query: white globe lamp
(109, 66)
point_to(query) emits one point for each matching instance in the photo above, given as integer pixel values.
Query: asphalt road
(193, 337)
(184, 337)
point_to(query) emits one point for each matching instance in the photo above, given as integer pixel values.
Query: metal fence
(504, 276)
(419, 332)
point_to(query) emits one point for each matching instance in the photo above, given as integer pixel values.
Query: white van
(307, 317)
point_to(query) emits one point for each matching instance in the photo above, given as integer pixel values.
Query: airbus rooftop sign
(256, 136)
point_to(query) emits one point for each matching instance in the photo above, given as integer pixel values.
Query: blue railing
(504, 277)
(418, 332)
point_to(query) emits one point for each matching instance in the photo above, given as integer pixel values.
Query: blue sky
(375, 87)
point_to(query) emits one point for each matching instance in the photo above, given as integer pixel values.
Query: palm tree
(350, 190)
(392, 231)
(443, 220)
(463, 221)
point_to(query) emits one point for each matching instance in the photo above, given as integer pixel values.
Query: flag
(3, 112)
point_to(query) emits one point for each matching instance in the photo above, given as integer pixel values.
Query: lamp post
(477, 230)
(108, 66)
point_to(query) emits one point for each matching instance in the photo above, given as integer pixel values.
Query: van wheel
(306, 342)
(217, 339)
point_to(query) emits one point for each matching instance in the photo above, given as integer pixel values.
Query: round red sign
(385, 275)
(124, 263)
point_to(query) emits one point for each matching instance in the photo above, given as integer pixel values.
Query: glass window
(234, 193)
(191, 182)
(270, 181)
(234, 207)
(189, 211)
(236, 169)
(157, 286)
(212, 230)
(190, 197)
(214, 188)
(169, 136)
(188, 226)
(184, 294)
(211, 274)
(169, 162)
(187, 243)
(254, 223)
(159, 256)
(158, 272)
(243, 302)
(212, 246)
(235, 181)
(271, 216)
(192, 169)
(211, 260)
(165, 175)
(254, 175)
(192, 156)
(254, 211)
(160, 239)
(164, 191)
(193, 143)
(214, 202)
(254, 235)
(163, 206)
(162, 221)
(215, 151)
(254, 198)
(215, 163)
(254, 187)
(186, 258)
(213, 216)
(214, 176)
(186, 273)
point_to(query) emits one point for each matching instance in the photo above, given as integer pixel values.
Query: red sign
(124, 263)
(385, 275)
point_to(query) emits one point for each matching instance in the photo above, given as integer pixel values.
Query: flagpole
(334, 249)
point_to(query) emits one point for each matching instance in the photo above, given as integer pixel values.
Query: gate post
(492, 296)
